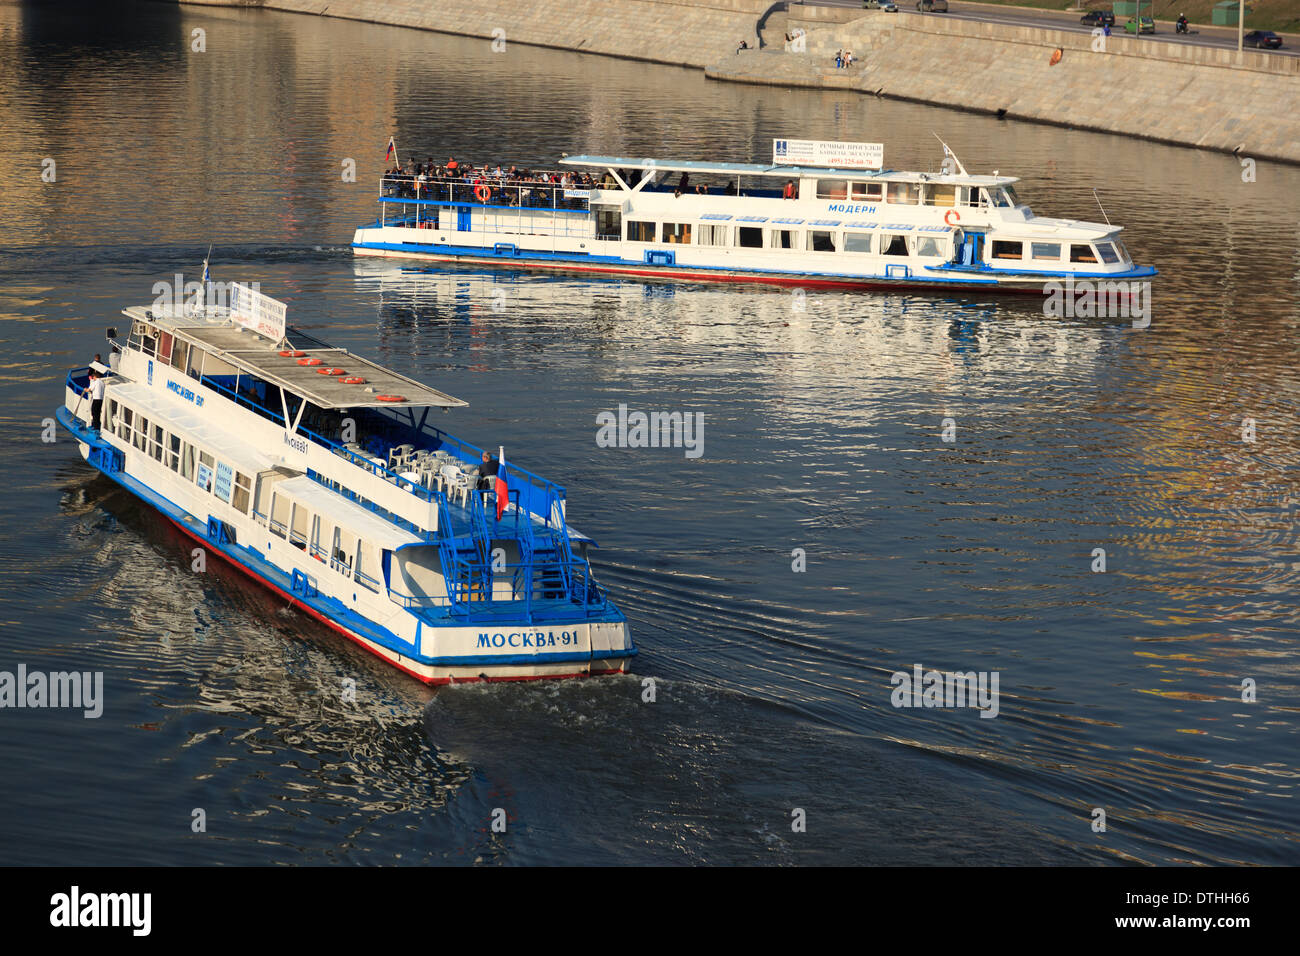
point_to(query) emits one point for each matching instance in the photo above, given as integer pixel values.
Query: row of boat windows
(807, 240)
(916, 194)
(192, 462)
(882, 242)
(287, 519)
(316, 534)
(168, 349)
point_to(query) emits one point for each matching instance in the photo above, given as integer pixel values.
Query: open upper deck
(297, 363)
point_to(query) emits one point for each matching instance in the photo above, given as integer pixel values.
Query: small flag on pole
(392, 150)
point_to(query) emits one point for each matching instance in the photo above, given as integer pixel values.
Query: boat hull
(490, 667)
(1026, 285)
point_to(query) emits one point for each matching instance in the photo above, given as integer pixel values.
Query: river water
(1120, 690)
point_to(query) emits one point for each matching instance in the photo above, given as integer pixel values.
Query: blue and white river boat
(821, 214)
(318, 473)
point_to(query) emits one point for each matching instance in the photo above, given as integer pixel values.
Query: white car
(887, 5)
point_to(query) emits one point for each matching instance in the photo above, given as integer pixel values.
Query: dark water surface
(1119, 690)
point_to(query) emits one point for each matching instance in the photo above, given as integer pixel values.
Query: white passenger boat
(318, 473)
(820, 215)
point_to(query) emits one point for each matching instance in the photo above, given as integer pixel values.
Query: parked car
(1098, 18)
(887, 5)
(1148, 25)
(932, 6)
(1262, 40)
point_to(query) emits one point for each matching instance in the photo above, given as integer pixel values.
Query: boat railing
(488, 191)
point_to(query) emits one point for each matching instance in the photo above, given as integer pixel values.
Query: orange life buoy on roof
(308, 361)
(482, 192)
(354, 380)
(291, 353)
(390, 398)
(330, 371)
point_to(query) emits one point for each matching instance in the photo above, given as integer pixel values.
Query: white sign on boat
(580, 194)
(258, 312)
(817, 152)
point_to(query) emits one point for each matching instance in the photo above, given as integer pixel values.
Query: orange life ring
(291, 353)
(390, 398)
(308, 361)
(482, 192)
(354, 380)
(1056, 56)
(330, 371)
(952, 217)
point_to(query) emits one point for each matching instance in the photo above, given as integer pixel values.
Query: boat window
(279, 523)
(782, 238)
(1008, 249)
(999, 197)
(124, 428)
(640, 231)
(203, 474)
(180, 354)
(156, 445)
(750, 237)
(367, 570)
(1107, 253)
(905, 194)
(165, 348)
(110, 412)
(677, 232)
(1011, 195)
(928, 246)
(871, 192)
(1082, 252)
(893, 244)
(195, 365)
(345, 546)
(298, 526)
(1046, 250)
(243, 492)
(317, 547)
(174, 452)
(1122, 250)
(857, 242)
(187, 462)
(141, 437)
(941, 195)
(819, 241)
(711, 235)
(832, 189)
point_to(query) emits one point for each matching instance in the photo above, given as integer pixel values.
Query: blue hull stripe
(252, 561)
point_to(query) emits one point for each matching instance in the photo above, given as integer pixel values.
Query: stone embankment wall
(1173, 92)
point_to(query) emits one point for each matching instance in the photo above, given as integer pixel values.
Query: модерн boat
(822, 214)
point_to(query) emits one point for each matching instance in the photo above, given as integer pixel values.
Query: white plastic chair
(454, 483)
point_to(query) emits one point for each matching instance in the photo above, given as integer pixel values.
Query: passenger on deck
(487, 472)
(790, 192)
(96, 390)
(682, 183)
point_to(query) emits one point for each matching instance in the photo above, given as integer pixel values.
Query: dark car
(1262, 40)
(932, 6)
(1098, 18)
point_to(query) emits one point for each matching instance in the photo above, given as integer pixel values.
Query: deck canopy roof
(257, 355)
(780, 172)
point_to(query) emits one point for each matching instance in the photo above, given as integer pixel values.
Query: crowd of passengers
(454, 181)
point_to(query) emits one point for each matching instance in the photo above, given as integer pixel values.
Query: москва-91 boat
(821, 214)
(316, 472)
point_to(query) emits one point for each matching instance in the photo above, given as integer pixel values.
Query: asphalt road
(1222, 37)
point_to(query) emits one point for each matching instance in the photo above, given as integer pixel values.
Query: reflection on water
(823, 432)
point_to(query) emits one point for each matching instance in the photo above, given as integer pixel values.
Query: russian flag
(503, 492)
(392, 150)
